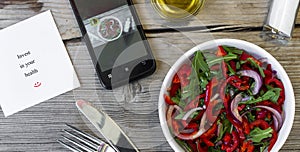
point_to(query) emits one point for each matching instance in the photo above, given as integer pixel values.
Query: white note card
(34, 64)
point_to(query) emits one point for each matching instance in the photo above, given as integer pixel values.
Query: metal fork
(79, 141)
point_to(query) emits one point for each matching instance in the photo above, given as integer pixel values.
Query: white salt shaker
(280, 21)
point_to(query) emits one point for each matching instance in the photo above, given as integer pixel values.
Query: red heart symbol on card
(37, 84)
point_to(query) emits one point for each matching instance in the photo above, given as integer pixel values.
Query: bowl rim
(256, 51)
(110, 17)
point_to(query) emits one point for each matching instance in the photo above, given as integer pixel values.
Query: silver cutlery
(79, 141)
(108, 128)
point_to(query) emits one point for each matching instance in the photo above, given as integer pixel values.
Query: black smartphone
(115, 40)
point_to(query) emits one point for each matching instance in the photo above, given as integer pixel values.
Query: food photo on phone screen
(115, 40)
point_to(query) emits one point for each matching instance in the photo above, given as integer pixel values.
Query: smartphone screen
(113, 32)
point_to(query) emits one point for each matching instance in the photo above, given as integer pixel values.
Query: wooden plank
(220, 15)
(61, 10)
(214, 13)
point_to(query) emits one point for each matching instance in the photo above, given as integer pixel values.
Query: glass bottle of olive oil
(177, 9)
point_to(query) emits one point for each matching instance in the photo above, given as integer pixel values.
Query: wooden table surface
(134, 106)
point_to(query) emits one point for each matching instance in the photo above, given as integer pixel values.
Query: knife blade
(107, 127)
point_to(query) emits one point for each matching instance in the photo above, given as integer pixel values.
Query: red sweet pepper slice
(211, 117)
(247, 145)
(232, 65)
(268, 74)
(176, 79)
(175, 86)
(230, 143)
(194, 103)
(246, 66)
(190, 125)
(208, 142)
(226, 141)
(192, 145)
(168, 100)
(277, 83)
(176, 129)
(262, 114)
(244, 146)
(183, 74)
(235, 139)
(245, 56)
(273, 139)
(250, 148)
(238, 83)
(246, 126)
(221, 52)
(240, 132)
(209, 88)
(210, 132)
(224, 69)
(259, 123)
(271, 104)
(222, 93)
(200, 146)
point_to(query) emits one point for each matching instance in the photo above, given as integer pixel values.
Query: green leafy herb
(257, 134)
(277, 93)
(230, 56)
(231, 71)
(272, 95)
(203, 80)
(225, 127)
(253, 63)
(238, 65)
(179, 102)
(250, 116)
(199, 77)
(184, 145)
(193, 89)
(199, 63)
(217, 74)
(263, 146)
(218, 60)
(232, 50)
(180, 115)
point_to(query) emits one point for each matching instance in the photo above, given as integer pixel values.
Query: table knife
(107, 127)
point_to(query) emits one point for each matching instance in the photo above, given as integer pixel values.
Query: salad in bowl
(228, 96)
(110, 28)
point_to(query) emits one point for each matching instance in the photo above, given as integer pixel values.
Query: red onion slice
(219, 129)
(189, 113)
(178, 108)
(203, 122)
(169, 115)
(195, 134)
(191, 136)
(278, 120)
(234, 107)
(170, 111)
(257, 78)
(246, 98)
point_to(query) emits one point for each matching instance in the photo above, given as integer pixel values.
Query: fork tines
(79, 141)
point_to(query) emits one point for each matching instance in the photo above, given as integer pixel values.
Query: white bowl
(115, 19)
(254, 50)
